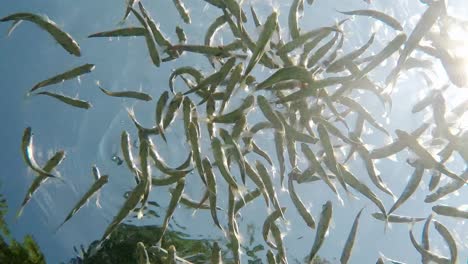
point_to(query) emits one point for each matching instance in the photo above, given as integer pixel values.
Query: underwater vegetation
(309, 107)
(12, 251)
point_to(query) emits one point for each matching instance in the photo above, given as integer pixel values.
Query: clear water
(93, 136)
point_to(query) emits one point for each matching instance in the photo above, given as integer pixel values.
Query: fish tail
(19, 213)
(387, 224)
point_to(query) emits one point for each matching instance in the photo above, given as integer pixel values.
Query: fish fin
(98, 204)
(14, 25)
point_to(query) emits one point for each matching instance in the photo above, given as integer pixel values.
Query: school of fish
(305, 105)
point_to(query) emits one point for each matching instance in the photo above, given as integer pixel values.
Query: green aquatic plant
(12, 251)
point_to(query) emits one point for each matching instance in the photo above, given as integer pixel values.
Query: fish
(235, 8)
(216, 254)
(141, 254)
(220, 158)
(211, 82)
(291, 147)
(216, 25)
(196, 152)
(210, 110)
(314, 163)
(346, 254)
(425, 156)
(339, 64)
(27, 150)
(301, 39)
(68, 100)
(397, 145)
(292, 19)
(53, 162)
(354, 182)
(121, 32)
(181, 35)
(126, 146)
(97, 175)
(279, 242)
(425, 23)
(161, 165)
(128, 94)
(303, 212)
(330, 154)
(358, 108)
(370, 167)
(171, 255)
(320, 52)
(388, 20)
(97, 185)
(217, 51)
(435, 179)
(233, 227)
(234, 115)
(135, 196)
(268, 223)
(150, 42)
(285, 74)
(410, 188)
(450, 211)
(268, 29)
(160, 105)
(183, 12)
(174, 105)
(70, 74)
(322, 230)
(234, 79)
(446, 189)
(270, 114)
(248, 197)
(158, 251)
(257, 22)
(176, 195)
(257, 180)
(448, 237)
(390, 260)
(236, 151)
(429, 255)
(279, 147)
(397, 218)
(158, 36)
(425, 234)
(270, 257)
(386, 52)
(129, 4)
(263, 173)
(239, 128)
(145, 177)
(62, 37)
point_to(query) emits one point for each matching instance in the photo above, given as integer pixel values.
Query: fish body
(62, 37)
(27, 149)
(128, 94)
(68, 100)
(450, 211)
(322, 230)
(41, 178)
(97, 185)
(346, 254)
(70, 74)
